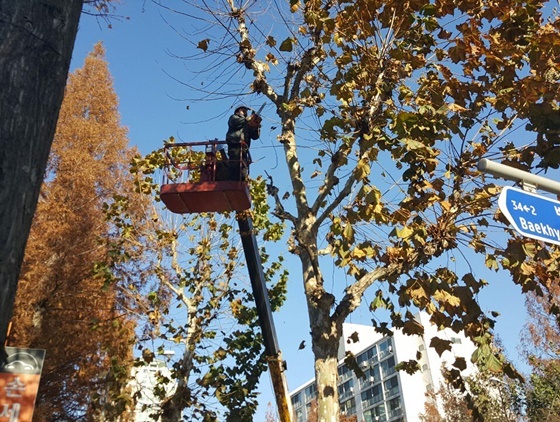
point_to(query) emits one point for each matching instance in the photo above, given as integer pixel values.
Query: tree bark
(36, 43)
(326, 373)
(325, 331)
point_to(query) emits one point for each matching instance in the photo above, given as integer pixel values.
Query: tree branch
(247, 57)
(279, 210)
(354, 293)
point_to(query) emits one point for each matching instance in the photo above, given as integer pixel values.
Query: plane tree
(384, 109)
(195, 299)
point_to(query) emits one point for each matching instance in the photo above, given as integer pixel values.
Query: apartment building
(144, 383)
(384, 394)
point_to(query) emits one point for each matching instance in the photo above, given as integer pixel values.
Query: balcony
(345, 376)
(391, 391)
(395, 413)
(346, 394)
(372, 401)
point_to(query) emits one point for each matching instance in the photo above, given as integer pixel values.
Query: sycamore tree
(196, 301)
(383, 110)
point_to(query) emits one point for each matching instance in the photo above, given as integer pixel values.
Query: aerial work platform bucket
(197, 178)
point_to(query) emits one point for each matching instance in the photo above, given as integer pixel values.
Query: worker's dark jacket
(239, 130)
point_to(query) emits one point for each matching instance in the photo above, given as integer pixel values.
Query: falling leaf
(287, 45)
(203, 45)
(354, 337)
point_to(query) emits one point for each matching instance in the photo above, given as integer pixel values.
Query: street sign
(531, 215)
(19, 382)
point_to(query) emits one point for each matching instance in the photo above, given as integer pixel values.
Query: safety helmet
(242, 108)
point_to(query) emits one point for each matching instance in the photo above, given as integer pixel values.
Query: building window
(377, 414)
(385, 348)
(344, 373)
(367, 358)
(372, 396)
(346, 390)
(391, 387)
(455, 340)
(300, 417)
(348, 407)
(370, 377)
(310, 393)
(296, 400)
(394, 407)
(388, 367)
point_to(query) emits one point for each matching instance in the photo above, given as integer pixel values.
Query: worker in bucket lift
(241, 130)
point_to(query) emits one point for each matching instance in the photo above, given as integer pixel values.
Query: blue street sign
(532, 215)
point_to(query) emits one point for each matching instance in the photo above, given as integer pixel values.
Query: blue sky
(155, 106)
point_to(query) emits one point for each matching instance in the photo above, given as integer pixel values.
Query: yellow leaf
(359, 253)
(348, 232)
(493, 364)
(445, 297)
(404, 233)
(362, 169)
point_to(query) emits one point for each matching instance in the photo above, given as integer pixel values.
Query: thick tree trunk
(36, 42)
(326, 371)
(325, 334)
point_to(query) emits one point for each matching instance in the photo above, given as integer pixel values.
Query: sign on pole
(531, 215)
(19, 382)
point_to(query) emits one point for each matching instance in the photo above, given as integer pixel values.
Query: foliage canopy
(402, 99)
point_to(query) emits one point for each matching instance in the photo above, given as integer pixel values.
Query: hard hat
(242, 108)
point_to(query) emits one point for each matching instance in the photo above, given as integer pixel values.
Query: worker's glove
(254, 120)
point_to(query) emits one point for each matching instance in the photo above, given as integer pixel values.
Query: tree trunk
(174, 405)
(36, 43)
(326, 371)
(325, 333)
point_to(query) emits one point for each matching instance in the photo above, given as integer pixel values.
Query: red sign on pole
(19, 382)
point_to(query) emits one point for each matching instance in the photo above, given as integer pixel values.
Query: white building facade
(384, 394)
(144, 382)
